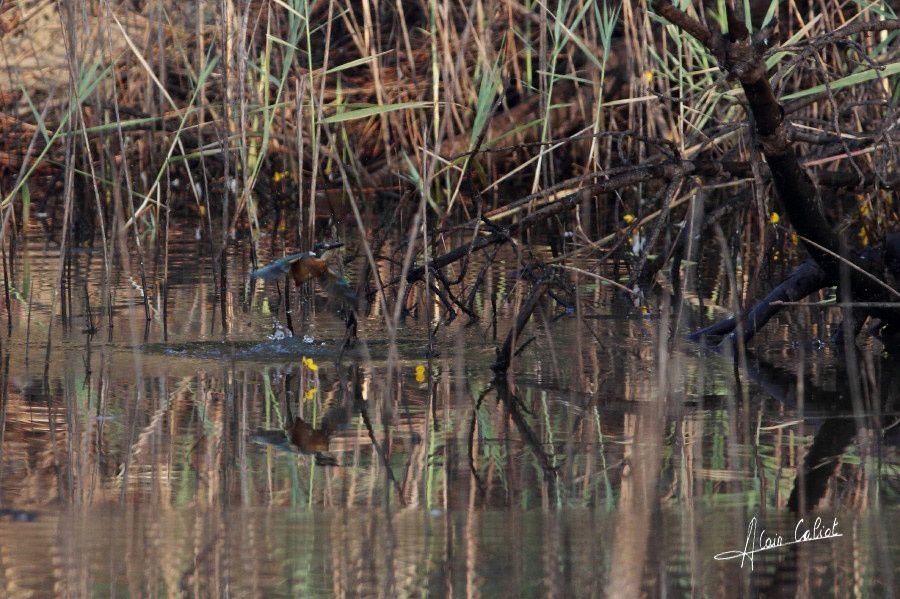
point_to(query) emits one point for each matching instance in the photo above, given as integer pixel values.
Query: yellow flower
(280, 175)
(308, 362)
(863, 237)
(420, 374)
(628, 218)
(310, 394)
(864, 209)
(794, 238)
(774, 218)
(648, 77)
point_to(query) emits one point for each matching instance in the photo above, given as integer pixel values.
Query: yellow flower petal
(309, 363)
(648, 77)
(420, 374)
(628, 218)
(774, 218)
(310, 394)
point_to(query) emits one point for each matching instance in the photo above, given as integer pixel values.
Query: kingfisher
(307, 266)
(301, 437)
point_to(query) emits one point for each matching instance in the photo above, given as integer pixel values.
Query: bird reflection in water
(309, 438)
(301, 437)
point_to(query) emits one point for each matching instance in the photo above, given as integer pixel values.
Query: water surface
(152, 458)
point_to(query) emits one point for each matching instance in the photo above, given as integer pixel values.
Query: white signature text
(759, 540)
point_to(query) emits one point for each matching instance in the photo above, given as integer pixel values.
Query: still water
(204, 455)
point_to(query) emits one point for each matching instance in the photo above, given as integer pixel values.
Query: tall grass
(265, 108)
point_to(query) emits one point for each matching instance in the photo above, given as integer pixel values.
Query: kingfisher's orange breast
(306, 268)
(308, 439)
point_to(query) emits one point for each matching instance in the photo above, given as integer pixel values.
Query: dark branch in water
(514, 407)
(807, 278)
(504, 354)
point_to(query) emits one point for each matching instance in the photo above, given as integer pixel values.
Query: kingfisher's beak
(320, 249)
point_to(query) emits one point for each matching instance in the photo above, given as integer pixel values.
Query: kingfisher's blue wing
(275, 438)
(277, 269)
